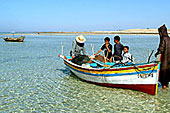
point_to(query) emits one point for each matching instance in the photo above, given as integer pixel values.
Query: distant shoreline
(126, 32)
(120, 32)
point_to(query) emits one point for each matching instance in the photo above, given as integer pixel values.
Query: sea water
(34, 79)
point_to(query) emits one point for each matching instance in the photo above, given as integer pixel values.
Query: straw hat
(80, 39)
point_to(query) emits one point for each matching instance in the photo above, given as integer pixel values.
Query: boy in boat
(118, 48)
(127, 57)
(78, 46)
(107, 48)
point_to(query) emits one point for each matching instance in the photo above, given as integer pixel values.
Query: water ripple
(33, 79)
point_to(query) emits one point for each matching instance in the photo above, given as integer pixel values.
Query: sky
(82, 15)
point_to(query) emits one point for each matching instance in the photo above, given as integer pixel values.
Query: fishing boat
(141, 77)
(20, 39)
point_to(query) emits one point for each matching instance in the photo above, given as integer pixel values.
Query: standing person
(107, 47)
(78, 46)
(118, 48)
(127, 57)
(164, 50)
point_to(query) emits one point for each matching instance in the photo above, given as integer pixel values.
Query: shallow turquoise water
(34, 79)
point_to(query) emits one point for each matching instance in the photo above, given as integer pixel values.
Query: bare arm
(108, 49)
(98, 52)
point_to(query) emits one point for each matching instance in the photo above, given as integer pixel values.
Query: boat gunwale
(110, 69)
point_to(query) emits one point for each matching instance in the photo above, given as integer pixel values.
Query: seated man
(78, 46)
(78, 52)
(127, 57)
(107, 47)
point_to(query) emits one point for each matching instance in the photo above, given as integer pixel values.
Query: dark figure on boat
(164, 50)
(118, 48)
(107, 48)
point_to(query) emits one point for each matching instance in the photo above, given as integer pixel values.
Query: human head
(163, 31)
(80, 39)
(107, 40)
(126, 49)
(116, 39)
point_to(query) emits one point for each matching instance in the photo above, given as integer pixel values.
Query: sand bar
(122, 32)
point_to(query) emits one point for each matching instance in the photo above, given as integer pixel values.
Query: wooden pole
(62, 47)
(92, 48)
(104, 58)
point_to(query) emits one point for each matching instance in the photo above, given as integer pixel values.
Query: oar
(97, 62)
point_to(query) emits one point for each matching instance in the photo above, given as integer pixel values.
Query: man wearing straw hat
(78, 46)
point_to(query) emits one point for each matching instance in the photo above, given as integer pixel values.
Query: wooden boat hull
(130, 77)
(14, 39)
(146, 88)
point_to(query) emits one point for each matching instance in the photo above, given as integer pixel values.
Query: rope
(150, 56)
(138, 70)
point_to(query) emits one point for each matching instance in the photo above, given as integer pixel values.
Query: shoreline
(120, 32)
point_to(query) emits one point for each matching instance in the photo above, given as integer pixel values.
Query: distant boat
(20, 39)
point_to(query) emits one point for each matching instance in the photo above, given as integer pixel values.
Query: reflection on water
(34, 79)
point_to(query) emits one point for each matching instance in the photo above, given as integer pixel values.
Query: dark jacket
(118, 48)
(106, 51)
(164, 49)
